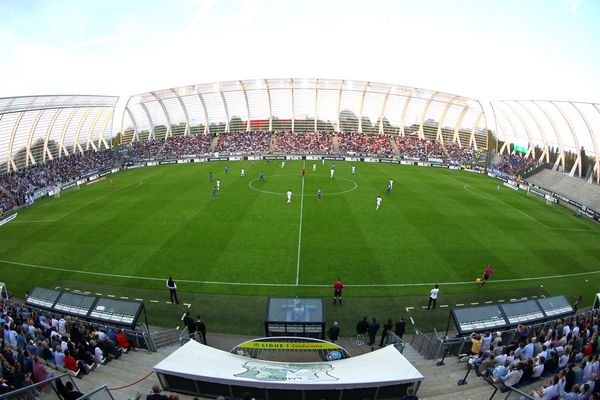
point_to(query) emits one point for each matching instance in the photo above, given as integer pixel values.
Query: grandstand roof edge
(60, 95)
(308, 78)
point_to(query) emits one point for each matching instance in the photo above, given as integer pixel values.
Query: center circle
(325, 192)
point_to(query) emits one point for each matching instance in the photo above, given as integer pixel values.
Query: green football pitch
(227, 254)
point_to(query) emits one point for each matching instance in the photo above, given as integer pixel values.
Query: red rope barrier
(131, 384)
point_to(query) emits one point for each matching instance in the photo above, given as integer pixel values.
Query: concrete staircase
(273, 143)
(441, 382)
(335, 143)
(213, 145)
(394, 146)
(166, 337)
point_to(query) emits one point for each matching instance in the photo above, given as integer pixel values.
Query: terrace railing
(101, 393)
(33, 392)
(394, 339)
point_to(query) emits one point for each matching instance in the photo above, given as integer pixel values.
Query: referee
(337, 291)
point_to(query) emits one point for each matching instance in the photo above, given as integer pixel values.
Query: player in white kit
(243, 172)
(379, 199)
(218, 184)
(391, 184)
(314, 167)
(282, 164)
(289, 196)
(332, 170)
(353, 169)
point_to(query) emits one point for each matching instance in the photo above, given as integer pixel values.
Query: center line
(300, 228)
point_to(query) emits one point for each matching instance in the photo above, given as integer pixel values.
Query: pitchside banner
(289, 346)
(8, 219)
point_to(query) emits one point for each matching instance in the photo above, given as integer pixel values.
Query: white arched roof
(34, 129)
(302, 105)
(37, 128)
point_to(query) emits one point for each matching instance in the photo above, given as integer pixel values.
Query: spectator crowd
(26, 181)
(515, 164)
(461, 155)
(413, 147)
(35, 346)
(312, 142)
(244, 142)
(362, 143)
(564, 359)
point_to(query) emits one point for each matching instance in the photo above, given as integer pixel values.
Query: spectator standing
(201, 328)
(577, 303)
(476, 342)
(433, 295)
(190, 324)
(361, 328)
(387, 327)
(172, 290)
(334, 332)
(400, 328)
(373, 329)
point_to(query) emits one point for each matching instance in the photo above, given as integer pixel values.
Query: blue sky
(487, 49)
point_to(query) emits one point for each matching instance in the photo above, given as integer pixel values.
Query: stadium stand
(573, 188)
(187, 145)
(26, 181)
(146, 149)
(526, 356)
(37, 346)
(461, 155)
(312, 142)
(413, 147)
(367, 144)
(515, 164)
(244, 142)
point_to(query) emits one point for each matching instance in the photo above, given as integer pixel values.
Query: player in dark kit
(337, 291)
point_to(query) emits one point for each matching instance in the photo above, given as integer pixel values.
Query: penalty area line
(300, 227)
(150, 278)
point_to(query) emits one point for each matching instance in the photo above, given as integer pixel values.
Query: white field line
(300, 228)
(150, 278)
(76, 209)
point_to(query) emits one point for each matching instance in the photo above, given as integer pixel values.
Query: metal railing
(32, 392)
(166, 337)
(394, 339)
(101, 393)
(429, 346)
(432, 346)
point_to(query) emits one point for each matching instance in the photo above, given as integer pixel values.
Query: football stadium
(299, 238)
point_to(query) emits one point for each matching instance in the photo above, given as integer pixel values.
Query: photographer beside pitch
(486, 274)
